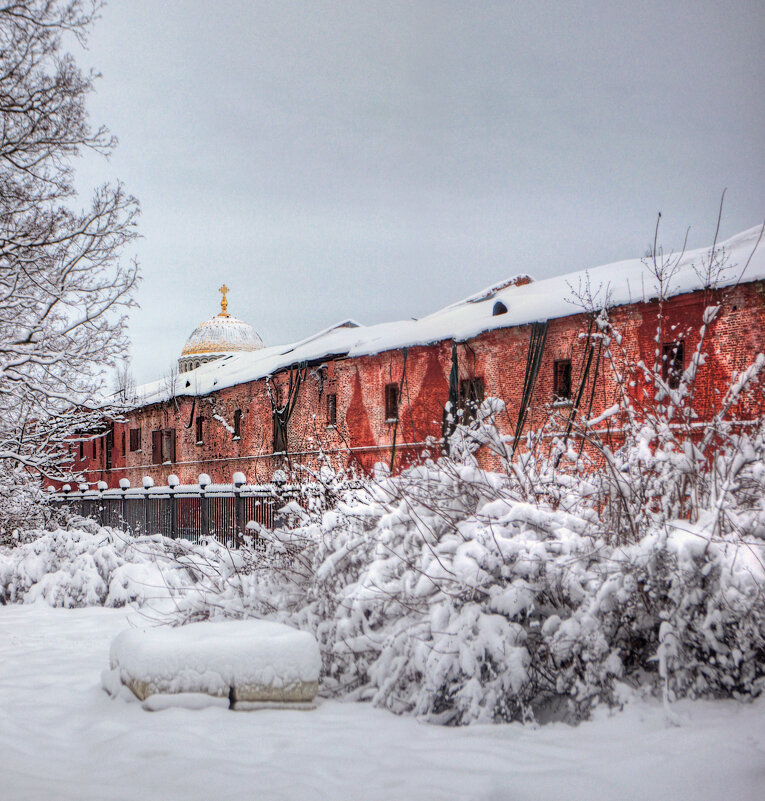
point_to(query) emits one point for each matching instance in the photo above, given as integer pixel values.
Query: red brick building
(366, 394)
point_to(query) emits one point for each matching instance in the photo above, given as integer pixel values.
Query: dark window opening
(135, 439)
(237, 423)
(109, 443)
(562, 380)
(163, 445)
(499, 308)
(471, 397)
(123, 443)
(280, 437)
(82, 451)
(391, 401)
(672, 363)
(331, 410)
(200, 430)
(168, 445)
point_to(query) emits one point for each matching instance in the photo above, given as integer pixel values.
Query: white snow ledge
(242, 664)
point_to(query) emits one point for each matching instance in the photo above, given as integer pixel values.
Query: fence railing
(227, 512)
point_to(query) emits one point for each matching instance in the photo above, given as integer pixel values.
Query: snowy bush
(463, 606)
(86, 565)
(69, 568)
(436, 593)
(23, 504)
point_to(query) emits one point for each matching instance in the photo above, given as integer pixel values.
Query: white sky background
(379, 160)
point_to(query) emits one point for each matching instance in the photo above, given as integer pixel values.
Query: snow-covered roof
(526, 302)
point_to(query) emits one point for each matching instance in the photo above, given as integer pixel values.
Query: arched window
(499, 308)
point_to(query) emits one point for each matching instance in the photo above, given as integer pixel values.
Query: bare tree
(170, 383)
(123, 383)
(63, 287)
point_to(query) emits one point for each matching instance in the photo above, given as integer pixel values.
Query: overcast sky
(378, 160)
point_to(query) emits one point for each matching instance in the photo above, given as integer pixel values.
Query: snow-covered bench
(243, 663)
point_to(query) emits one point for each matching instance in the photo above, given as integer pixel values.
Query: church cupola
(217, 337)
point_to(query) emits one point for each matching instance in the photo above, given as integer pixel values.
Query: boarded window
(331, 410)
(200, 430)
(237, 423)
(135, 439)
(391, 401)
(562, 380)
(672, 363)
(471, 397)
(156, 446)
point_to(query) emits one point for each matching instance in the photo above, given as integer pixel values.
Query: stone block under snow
(245, 663)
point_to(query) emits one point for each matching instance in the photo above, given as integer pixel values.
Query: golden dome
(222, 334)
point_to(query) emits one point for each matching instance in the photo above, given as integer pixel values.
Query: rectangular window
(331, 410)
(163, 445)
(109, 446)
(135, 439)
(237, 423)
(391, 401)
(168, 445)
(672, 363)
(562, 380)
(200, 430)
(280, 437)
(123, 443)
(82, 451)
(471, 397)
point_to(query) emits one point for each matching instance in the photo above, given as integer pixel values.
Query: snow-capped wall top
(510, 303)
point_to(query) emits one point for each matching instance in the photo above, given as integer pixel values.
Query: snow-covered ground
(62, 737)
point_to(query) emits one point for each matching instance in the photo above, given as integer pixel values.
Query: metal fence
(226, 512)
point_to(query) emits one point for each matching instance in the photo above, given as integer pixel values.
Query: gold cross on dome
(223, 301)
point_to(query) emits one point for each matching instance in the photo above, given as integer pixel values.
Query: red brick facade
(361, 434)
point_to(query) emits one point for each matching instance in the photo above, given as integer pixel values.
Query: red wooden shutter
(156, 447)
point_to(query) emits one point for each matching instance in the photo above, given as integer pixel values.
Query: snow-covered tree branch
(64, 288)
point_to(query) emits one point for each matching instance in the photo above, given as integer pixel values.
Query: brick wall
(362, 436)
